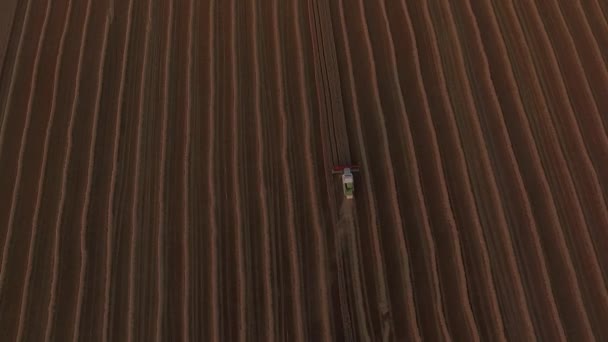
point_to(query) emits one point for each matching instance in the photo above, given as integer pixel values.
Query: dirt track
(165, 170)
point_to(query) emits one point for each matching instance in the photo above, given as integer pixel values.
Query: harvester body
(348, 181)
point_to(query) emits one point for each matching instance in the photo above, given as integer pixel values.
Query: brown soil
(165, 170)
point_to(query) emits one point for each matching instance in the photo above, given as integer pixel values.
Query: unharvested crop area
(165, 170)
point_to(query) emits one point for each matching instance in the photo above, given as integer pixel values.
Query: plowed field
(165, 170)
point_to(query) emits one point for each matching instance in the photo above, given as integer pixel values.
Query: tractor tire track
(374, 130)
(393, 218)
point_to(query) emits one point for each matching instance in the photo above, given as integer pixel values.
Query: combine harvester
(348, 182)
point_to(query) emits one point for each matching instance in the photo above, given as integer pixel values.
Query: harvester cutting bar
(341, 168)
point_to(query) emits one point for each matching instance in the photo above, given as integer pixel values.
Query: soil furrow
(314, 258)
(295, 331)
(517, 205)
(15, 50)
(232, 278)
(400, 313)
(507, 66)
(61, 140)
(204, 276)
(124, 173)
(599, 25)
(572, 92)
(147, 257)
(417, 229)
(161, 252)
(434, 188)
(264, 189)
(372, 258)
(73, 255)
(465, 120)
(469, 220)
(589, 53)
(239, 224)
(91, 259)
(102, 196)
(15, 118)
(585, 191)
(11, 61)
(333, 146)
(577, 88)
(384, 103)
(167, 170)
(7, 24)
(15, 24)
(34, 303)
(16, 256)
(174, 249)
(186, 174)
(59, 282)
(134, 220)
(602, 9)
